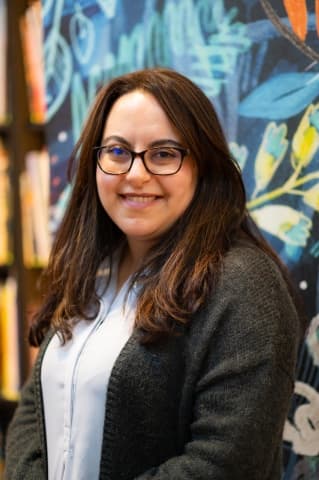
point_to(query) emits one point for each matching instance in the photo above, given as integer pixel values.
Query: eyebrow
(155, 143)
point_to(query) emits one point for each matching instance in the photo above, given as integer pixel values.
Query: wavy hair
(184, 266)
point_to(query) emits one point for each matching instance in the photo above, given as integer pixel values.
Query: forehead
(138, 113)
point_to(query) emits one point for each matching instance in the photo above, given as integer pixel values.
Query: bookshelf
(21, 139)
(4, 130)
(19, 136)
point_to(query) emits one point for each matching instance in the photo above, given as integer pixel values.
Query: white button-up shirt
(74, 385)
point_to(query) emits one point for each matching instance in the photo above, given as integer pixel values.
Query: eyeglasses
(117, 160)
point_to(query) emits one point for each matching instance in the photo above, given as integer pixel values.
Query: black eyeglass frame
(183, 151)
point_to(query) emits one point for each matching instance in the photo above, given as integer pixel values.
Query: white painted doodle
(58, 64)
(82, 36)
(312, 340)
(46, 7)
(303, 433)
(108, 7)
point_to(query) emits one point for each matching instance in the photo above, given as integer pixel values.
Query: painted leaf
(282, 96)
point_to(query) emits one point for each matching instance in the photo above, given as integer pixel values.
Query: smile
(143, 199)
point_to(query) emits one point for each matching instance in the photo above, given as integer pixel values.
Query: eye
(164, 153)
(117, 151)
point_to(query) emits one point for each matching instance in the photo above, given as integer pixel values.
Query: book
(9, 340)
(34, 191)
(3, 62)
(5, 209)
(32, 47)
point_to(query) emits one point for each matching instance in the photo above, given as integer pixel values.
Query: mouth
(142, 199)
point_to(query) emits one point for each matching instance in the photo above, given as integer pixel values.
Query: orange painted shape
(298, 16)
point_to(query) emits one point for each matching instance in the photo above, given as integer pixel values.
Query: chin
(139, 232)
(141, 235)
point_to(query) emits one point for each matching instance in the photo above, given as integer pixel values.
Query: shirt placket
(71, 379)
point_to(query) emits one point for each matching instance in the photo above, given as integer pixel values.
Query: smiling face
(141, 204)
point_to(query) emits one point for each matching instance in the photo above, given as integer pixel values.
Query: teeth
(135, 198)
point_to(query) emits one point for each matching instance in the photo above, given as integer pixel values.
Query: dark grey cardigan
(209, 404)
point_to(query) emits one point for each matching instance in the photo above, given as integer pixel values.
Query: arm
(24, 447)
(242, 396)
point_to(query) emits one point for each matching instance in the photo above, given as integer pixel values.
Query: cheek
(105, 185)
(187, 185)
(187, 197)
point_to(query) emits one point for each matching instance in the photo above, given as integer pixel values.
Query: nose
(138, 172)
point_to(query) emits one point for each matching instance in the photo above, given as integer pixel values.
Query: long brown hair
(183, 268)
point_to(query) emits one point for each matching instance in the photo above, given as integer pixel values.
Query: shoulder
(251, 308)
(252, 276)
(253, 280)
(251, 264)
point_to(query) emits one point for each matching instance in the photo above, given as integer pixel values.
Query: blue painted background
(266, 92)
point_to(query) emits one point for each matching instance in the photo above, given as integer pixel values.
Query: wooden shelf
(4, 271)
(38, 127)
(4, 129)
(7, 408)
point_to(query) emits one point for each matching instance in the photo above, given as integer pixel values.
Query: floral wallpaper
(257, 60)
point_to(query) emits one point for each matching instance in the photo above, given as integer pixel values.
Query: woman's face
(141, 204)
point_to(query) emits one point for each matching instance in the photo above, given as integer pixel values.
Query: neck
(137, 251)
(131, 260)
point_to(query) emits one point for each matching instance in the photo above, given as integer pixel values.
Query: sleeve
(24, 449)
(242, 395)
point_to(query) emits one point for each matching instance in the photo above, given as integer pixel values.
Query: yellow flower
(306, 139)
(270, 154)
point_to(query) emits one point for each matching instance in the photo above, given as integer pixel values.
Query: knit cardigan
(208, 404)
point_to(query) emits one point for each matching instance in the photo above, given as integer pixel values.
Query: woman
(168, 333)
